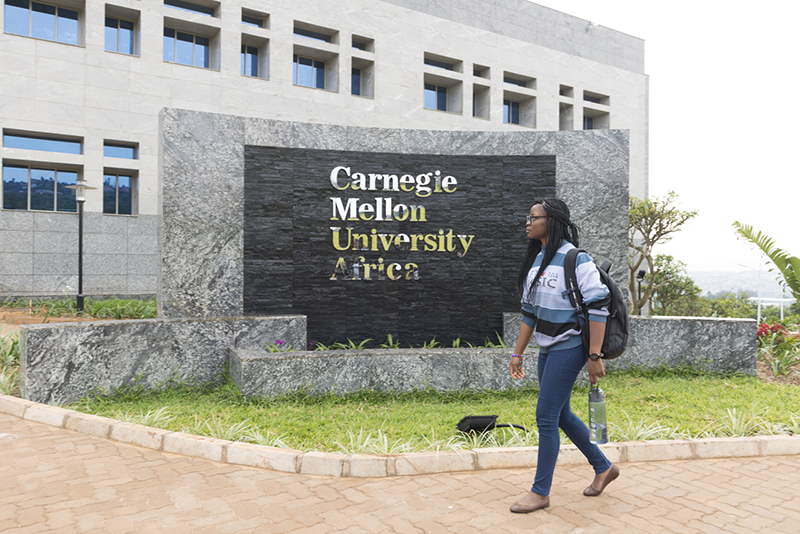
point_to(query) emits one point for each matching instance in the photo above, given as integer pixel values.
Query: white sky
(724, 117)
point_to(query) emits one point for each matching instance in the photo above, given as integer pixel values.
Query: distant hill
(736, 282)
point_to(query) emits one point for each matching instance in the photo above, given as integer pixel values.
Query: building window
(515, 81)
(186, 48)
(302, 32)
(439, 64)
(565, 90)
(596, 98)
(520, 80)
(46, 144)
(119, 36)
(42, 21)
(308, 72)
(365, 44)
(191, 8)
(510, 112)
(565, 116)
(480, 101)
(120, 150)
(362, 74)
(355, 83)
(596, 120)
(35, 188)
(249, 61)
(257, 21)
(119, 194)
(435, 97)
(480, 71)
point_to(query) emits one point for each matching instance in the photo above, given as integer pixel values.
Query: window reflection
(309, 72)
(47, 144)
(118, 194)
(119, 36)
(42, 21)
(186, 48)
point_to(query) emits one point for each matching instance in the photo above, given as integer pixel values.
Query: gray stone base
(713, 344)
(63, 362)
(261, 373)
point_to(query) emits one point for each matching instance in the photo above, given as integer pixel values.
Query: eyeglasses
(531, 218)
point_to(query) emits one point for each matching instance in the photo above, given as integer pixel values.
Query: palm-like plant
(789, 266)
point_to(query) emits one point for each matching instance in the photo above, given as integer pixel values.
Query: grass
(99, 309)
(9, 364)
(641, 404)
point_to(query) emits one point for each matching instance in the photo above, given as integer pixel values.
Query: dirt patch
(12, 318)
(764, 373)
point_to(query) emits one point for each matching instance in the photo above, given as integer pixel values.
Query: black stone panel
(292, 266)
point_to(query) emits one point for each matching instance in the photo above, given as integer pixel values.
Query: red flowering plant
(778, 348)
(767, 330)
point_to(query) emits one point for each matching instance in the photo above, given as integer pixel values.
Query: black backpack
(617, 322)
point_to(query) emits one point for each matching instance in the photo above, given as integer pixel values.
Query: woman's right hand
(515, 366)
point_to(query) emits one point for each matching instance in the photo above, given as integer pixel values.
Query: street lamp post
(80, 188)
(639, 277)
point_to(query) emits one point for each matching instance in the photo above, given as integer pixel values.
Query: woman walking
(547, 313)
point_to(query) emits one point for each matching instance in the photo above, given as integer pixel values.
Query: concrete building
(84, 81)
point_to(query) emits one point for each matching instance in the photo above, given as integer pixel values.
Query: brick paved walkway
(56, 480)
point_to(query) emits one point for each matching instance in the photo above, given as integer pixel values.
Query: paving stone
(57, 480)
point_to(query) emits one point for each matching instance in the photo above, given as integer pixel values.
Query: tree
(677, 294)
(652, 222)
(789, 266)
(737, 305)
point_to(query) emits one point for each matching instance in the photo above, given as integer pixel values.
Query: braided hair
(559, 227)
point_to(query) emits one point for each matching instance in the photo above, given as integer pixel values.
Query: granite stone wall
(713, 344)
(66, 361)
(260, 373)
(40, 254)
(204, 191)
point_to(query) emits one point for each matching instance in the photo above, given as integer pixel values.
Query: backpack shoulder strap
(574, 292)
(571, 279)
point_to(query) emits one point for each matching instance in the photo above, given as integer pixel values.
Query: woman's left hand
(596, 371)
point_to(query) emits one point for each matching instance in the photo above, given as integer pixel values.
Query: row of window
(51, 22)
(44, 187)
(36, 187)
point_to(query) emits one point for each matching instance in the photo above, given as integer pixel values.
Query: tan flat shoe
(612, 475)
(518, 508)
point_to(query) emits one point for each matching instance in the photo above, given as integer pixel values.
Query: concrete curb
(370, 466)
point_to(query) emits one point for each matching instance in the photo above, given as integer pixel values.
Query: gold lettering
(341, 268)
(400, 212)
(390, 271)
(430, 243)
(418, 214)
(336, 243)
(464, 243)
(411, 268)
(450, 246)
(386, 240)
(364, 210)
(364, 238)
(359, 181)
(414, 239)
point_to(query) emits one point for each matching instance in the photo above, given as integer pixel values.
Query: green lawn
(641, 405)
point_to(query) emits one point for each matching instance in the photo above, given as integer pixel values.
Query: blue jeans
(558, 370)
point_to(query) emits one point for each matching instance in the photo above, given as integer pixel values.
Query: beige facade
(571, 69)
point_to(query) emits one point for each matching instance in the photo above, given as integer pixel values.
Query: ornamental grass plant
(642, 404)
